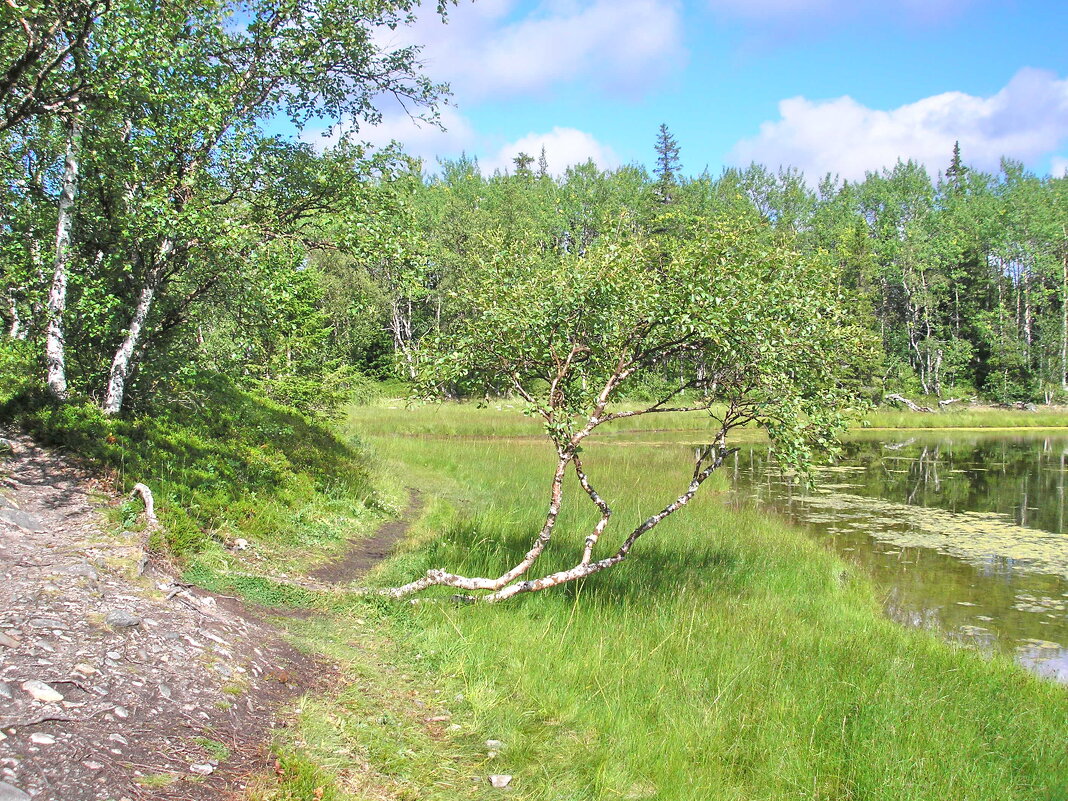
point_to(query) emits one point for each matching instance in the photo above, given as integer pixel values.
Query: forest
(154, 231)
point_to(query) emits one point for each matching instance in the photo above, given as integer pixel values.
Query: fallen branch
(944, 403)
(150, 503)
(912, 405)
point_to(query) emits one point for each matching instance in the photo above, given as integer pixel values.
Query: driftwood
(912, 405)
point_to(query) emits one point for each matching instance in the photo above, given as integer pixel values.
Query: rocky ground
(115, 685)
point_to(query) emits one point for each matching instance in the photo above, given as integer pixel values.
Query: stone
(8, 792)
(93, 765)
(8, 641)
(121, 712)
(41, 691)
(241, 544)
(494, 745)
(42, 739)
(165, 691)
(203, 769)
(113, 655)
(25, 521)
(121, 619)
(83, 569)
(84, 669)
(500, 780)
(5, 691)
(47, 623)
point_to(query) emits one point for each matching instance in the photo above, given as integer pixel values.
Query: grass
(730, 658)
(229, 465)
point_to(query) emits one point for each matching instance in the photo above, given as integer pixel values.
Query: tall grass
(729, 658)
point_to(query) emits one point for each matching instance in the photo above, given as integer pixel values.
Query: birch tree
(571, 335)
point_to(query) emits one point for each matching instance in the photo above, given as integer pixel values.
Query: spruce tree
(668, 165)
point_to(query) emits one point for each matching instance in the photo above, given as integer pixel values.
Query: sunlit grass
(730, 658)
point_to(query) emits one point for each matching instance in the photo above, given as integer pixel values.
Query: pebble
(42, 739)
(114, 655)
(202, 769)
(500, 780)
(84, 669)
(494, 745)
(121, 712)
(47, 623)
(5, 691)
(8, 641)
(122, 619)
(9, 792)
(165, 691)
(93, 765)
(118, 738)
(41, 691)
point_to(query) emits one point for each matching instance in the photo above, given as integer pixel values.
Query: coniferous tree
(668, 165)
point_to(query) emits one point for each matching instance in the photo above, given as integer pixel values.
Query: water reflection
(964, 530)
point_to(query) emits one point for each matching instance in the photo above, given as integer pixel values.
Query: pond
(963, 531)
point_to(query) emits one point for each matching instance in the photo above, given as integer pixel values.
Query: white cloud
(1059, 167)
(564, 147)
(420, 139)
(1026, 120)
(486, 50)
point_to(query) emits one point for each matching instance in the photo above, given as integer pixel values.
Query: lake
(963, 531)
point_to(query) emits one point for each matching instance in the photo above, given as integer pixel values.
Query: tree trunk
(14, 330)
(122, 363)
(55, 354)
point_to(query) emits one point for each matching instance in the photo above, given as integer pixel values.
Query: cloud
(564, 147)
(420, 139)
(1026, 120)
(1059, 167)
(488, 49)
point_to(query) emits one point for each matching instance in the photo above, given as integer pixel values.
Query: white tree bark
(14, 330)
(122, 362)
(55, 354)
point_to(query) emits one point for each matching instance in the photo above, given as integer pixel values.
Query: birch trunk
(14, 330)
(121, 364)
(55, 354)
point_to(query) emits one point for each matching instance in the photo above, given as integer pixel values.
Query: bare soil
(115, 685)
(366, 553)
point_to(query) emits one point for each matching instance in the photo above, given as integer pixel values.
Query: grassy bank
(731, 658)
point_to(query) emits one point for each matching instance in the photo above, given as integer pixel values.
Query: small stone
(47, 623)
(494, 745)
(7, 641)
(9, 792)
(41, 691)
(500, 780)
(83, 569)
(165, 691)
(203, 769)
(122, 619)
(42, 739)
(5, 691)
(84, 669)
(24, 521)
(114, 655)
(241, 544)
(121, 712)
(93, 765)
(118, 738)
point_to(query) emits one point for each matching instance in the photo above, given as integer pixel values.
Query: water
(965, 532)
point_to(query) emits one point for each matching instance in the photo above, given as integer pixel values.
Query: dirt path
(367, 553)
(115, 686)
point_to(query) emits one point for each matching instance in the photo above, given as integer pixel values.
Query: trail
(114, 685)
(367, 553)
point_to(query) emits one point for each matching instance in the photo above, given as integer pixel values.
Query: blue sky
(822, 85)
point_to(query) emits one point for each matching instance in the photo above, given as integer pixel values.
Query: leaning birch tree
(572, 334)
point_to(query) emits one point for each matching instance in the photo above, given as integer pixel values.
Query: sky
(825, 86)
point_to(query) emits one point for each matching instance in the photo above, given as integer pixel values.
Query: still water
(963, 531)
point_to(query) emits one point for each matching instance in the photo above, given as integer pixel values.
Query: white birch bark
(55, 353)
(121, 363)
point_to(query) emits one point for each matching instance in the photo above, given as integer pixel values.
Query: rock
(42, 739)
(121, 619)
(92, 765)
(121, 712)
(24, 521)
(7, 503)
(113, 655)
(241, 544)
(8, 641)
(41, 691)
(5, 691)
(165, 691)
(500, 781)
(47, 623)
(8, 447)
(203, 769)
(494, 745)
(118, 738)
(9, 792)
(82, 569)
(85, 670)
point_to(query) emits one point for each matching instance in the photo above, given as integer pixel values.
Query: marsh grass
(729, 658)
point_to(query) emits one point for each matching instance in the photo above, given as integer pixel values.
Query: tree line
(153, 231)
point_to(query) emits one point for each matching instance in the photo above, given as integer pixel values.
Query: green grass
(230, 465)
(970, 417)
(730, 658)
